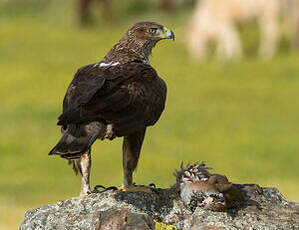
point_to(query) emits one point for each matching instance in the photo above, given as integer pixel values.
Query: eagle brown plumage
(119, 96)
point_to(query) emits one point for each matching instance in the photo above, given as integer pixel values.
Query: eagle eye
(152, 30)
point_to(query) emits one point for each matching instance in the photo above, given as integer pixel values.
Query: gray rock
(263, 208)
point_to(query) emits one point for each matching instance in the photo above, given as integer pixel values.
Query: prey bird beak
(167, 34)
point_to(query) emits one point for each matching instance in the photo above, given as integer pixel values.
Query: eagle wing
(129, 96)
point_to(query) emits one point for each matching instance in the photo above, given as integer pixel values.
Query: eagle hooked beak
(167, 34)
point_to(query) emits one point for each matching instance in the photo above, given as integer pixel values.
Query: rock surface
(263, 208)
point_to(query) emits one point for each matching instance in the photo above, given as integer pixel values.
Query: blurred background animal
(166, 5)
(84, 7)
(216, 21)
(295, 23)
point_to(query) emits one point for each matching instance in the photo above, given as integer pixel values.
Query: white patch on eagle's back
(103, 64)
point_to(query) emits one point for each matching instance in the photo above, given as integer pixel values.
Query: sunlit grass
(239, 117)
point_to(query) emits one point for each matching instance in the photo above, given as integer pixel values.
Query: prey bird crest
(119, 96)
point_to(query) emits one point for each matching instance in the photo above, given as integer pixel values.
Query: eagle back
(129, 95)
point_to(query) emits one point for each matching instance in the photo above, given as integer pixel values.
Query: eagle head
(149, 32)
(138, 42)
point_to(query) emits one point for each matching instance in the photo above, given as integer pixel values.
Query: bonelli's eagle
(117, 97)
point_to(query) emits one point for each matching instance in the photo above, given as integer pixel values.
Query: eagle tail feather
(76, 165)
(77, 139)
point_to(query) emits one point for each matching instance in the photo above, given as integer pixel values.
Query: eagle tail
(77, 139)
(76, 165)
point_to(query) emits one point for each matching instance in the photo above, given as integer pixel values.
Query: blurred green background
(240, 117)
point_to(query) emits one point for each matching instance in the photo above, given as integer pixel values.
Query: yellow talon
(84, 194)
(136, 189)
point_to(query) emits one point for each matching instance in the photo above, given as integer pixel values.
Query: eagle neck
(129, 49)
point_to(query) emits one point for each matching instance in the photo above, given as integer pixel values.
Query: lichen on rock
(262, 208)
(244, 206)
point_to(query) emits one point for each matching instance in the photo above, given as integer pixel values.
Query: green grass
(239, 117)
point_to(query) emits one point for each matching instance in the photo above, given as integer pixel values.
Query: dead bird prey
(200, 188)
(117, 97)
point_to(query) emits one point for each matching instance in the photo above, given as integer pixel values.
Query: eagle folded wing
(119, 94)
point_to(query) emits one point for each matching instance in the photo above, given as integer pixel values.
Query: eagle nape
(119, 96)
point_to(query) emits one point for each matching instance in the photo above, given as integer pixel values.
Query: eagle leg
(131, 150)
(85, 165)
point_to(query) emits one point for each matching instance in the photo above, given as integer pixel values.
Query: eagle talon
(114, 188)
(96, 188)
(104, 189)
(136, 188)
(152, 185)
(85, 194)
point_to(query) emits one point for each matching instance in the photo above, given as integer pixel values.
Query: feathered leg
(131, 150)
(82, 166)
(85, 165)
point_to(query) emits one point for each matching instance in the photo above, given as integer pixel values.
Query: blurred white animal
(290, 12)
(295, 23)
(215, 20)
